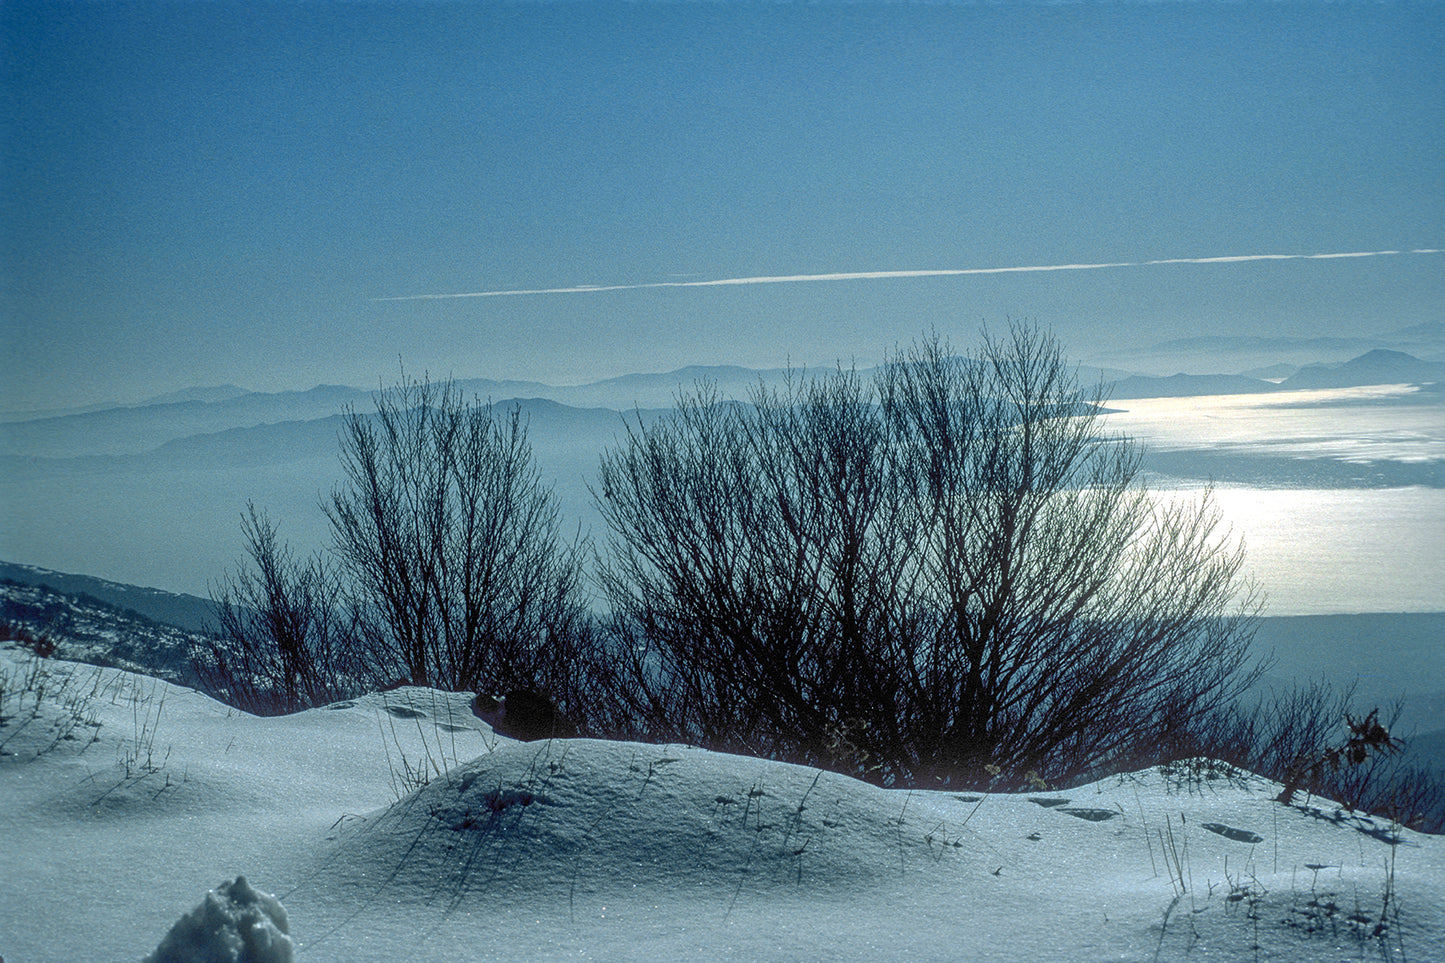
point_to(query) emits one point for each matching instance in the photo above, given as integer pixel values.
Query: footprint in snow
(1092, 815)
(1229, 832)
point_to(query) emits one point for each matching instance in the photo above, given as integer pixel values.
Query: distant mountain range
(135, 429)
(155, 491)
(168, 509)
(1187, 385)
(1249, 354)
(141, 428)
(1375, 367)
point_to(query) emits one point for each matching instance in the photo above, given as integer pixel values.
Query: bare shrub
(447, 569)
(452, 544)
(283, 642)
(1313, 740)
(945, 573)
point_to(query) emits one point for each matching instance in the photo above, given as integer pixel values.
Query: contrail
(929, 273)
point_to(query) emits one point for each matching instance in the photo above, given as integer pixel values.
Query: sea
(1339, 494)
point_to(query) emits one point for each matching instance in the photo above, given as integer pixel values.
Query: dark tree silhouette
(447, 569)
(946, 572)
(452, 545)
(283, 643)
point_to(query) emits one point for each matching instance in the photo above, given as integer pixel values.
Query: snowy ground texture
(399, 827)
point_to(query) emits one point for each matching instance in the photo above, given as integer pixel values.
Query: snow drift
(399, 826)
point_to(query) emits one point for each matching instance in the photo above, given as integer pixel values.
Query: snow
(233, 924)
(398, 826)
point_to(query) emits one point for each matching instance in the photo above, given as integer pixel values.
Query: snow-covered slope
(400, 827)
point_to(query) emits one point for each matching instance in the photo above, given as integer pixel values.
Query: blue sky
(211, 192)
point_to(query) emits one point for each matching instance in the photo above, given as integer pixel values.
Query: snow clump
(234, 924)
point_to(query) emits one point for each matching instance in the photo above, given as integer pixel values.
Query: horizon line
(920, 273)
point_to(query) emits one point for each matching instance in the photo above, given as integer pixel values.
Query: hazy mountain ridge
(132, 430)
(550, 426)
(155, 494)
(1209, 354)
(660, 390)
(178, 506)
(1379, 366)
(129, 430)
(161, 432)
(1187, 385)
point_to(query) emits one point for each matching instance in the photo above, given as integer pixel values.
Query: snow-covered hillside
(87, 629)
(399, 827)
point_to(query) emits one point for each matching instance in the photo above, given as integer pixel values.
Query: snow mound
(234, 924)
(549, 821)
